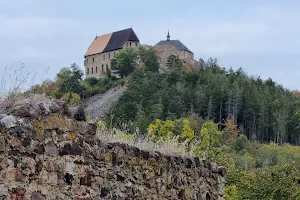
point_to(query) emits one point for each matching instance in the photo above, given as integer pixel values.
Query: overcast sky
(261, 36)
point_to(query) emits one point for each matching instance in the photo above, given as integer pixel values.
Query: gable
(111, 41)
(119, 38)
(98, 45)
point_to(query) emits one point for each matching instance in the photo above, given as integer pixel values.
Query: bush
(240, 143)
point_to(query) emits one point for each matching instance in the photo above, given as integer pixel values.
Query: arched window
(87, 71)
(93, 59)
(96, 70)
(106, 67)
(102, 68)
(92, 70)
(130, 43)
(104, 56)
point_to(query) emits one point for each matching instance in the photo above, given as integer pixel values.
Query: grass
(169, 147)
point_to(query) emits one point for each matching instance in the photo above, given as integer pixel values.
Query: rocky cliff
(46, 154)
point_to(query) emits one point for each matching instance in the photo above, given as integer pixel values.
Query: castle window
(96, 70)
(130, 43)
(108, 55)
(87, 71)
(103, 56)
(136, 44)
(102, 67)
(93, 59)
(92, 70)
(106, 67)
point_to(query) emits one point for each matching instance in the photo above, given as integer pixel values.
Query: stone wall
(46, 154)
(165, 51)
(97, 65)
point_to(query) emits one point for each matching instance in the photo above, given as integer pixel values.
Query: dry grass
(169, 147)
(13, 81)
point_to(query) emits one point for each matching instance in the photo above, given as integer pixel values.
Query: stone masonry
(46, 154)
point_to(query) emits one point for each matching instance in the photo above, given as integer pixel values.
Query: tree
(69, 79)
(125, 61)
(187, 132)
(210, 140)
(149, 58)
(92, 81)
(161, 130)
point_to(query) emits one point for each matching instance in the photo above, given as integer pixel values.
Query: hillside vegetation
(263, 110)
(244, 123)
(249, 125)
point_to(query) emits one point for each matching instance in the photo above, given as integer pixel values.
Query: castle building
(104, 48)
(167, 48)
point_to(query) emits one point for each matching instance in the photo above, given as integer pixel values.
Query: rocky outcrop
(46, 154)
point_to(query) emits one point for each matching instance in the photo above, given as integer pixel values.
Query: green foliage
(280, 182)
(149, 58)
(209, 141)
(69, 79)
(125, 61)
(101, 124)
(240, 143)
(260, 109)
(231, 192)
(92, 81)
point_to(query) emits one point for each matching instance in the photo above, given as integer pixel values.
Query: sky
(261, 36)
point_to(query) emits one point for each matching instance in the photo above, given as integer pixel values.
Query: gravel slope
(96, 106)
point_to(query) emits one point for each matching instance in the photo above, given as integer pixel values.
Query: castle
(104, 48)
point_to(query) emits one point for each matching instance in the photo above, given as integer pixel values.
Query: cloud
(265, 29)
(248, 35)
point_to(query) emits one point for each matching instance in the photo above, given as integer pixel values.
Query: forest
(247, 124)
(262, 109)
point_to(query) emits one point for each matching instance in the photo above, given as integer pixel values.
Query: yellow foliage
(186, 67)
(101, 124)
(231, 192)
(161, 130)
(187, 132)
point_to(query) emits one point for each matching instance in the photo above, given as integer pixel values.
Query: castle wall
(46, 154)
(97, 65)
(185, 55)
(165, 51)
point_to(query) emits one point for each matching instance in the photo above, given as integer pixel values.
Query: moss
(72, 136)
(107, 156)
(187, 193)
(134, 161)
(4, 134)
(49, 123)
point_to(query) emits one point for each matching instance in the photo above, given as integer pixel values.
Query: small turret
(168, 36)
